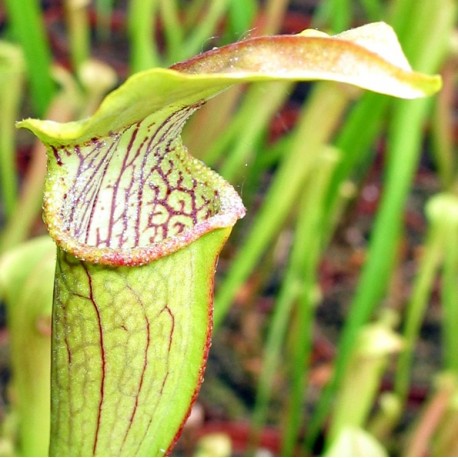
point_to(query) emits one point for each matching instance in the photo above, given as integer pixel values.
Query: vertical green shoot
(442, 132)
(298, 288)
(442, 213)
(142, 28)
(449, 219)
(336, 14)
(78, 31)
(11, 82)
(360, 386)
(26, 286)
(373, 9)
(309, 233)
(275, 11)
(63, 107)
(28, 29)
(312, 132)
(241, 14)
(172, 29)
(255, 120)
(196, 41)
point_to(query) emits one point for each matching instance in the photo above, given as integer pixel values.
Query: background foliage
(336, 306)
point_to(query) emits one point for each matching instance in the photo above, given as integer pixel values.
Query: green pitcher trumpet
(139, 224)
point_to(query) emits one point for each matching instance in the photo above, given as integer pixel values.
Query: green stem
(444, 154)
(26, 286)
(30, 201)
(360, 385)
(28, 28)
(172, 29)
(192, 13)
(355, 142)
(141, 27)
(272, 348)
(450, 320)
(274, 14)
(216, 150)
(335, 14)
(78, 31)
(373, 9)
(260, 110)
(442, 212)
(195, 43)
(309, 233)
(240, 15)
(210, 124)
(11, 83)
(449, 218)
(294, 287)
(404, 151)
(422, 289)
(313, 130)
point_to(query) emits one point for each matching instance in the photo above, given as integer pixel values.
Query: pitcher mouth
(232, 209)
(134, 196)
(138, 256)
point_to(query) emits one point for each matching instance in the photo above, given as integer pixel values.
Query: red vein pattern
(102, 358)
(134, 188)
(138, 339)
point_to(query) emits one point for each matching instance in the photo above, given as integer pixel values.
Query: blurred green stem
(386, 416)
(274, 15)
(421, 293)
(403, 153)
(78, 31)
(448, 287)
(309, 235)
(335, 14)
(195, 43)
(313, 130)
(363, 376)
(298, 287)
(444, 154)
(355, 142)
(11, 83)
(260, 105)
(247, 119)
(18, 227)
(172, 29)
(215, 118)
(142, 28)
(374, 10)
(28, 28)
(192, 13)
(26, 286)
(442, 212)
(240, 14)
